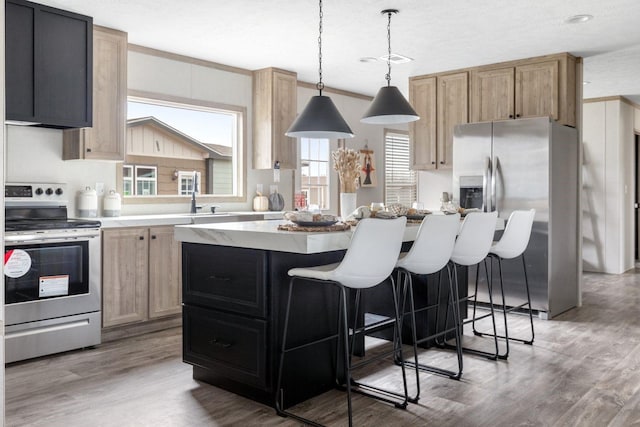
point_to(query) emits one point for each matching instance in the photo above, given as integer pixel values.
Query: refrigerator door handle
(494, 198)
(486, 177)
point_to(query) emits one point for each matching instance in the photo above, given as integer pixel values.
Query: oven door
(53, 277)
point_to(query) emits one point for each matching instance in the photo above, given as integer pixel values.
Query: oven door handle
(49, 237)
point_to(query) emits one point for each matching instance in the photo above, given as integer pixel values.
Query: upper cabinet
(48, 60)
(274, 109)
(106, 139)
(441, 102)
(544, 86)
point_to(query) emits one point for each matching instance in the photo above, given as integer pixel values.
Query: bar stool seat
(430, 254)
(368, 262)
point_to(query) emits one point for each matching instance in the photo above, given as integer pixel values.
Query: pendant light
(389, 106)
(320, 118)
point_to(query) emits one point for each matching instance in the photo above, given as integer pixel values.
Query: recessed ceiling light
(394, 58)
(368, 59)
(578, 19)
(586, 82)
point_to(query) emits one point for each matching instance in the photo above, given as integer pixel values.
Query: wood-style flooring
(583, 370)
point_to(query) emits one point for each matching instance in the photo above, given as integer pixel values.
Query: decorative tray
(314, 223)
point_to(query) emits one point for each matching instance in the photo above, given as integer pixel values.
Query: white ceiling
(439, 35)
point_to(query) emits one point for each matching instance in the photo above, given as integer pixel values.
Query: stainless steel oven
(52, 274)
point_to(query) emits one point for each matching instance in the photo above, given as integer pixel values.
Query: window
(179, 136)
(314, 158)
(127, 180)
(145, 180)
(185, 178)
(399, 180)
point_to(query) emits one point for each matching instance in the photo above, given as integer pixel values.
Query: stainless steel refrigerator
(522, 164)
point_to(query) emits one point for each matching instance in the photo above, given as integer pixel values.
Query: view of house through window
(399, 180)
(314, 158)
(168, 143)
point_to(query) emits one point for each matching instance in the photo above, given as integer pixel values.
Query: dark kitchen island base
(233, 311)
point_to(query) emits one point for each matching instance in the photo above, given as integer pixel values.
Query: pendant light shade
(389, 107)
(320, 119)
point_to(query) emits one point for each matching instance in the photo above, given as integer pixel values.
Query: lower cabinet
(140, 274)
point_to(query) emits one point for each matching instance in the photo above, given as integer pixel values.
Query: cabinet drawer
(232, 346)
(227, 278)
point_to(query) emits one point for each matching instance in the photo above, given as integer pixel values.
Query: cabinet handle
(219, 343)
(88, 150)
(517, 115)
(153, 237)
(511, 116)
(433, 163)
(222, 279)
(441, 162)
(140, 237)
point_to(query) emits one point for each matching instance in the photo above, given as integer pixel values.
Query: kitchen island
(235, 285)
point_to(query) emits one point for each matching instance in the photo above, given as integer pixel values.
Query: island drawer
(227, 278)
(232, 346)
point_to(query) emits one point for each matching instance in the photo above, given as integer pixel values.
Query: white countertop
(183, 218)
(266, 236)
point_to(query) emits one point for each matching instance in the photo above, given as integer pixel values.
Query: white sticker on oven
(17, 263)
(54, 286)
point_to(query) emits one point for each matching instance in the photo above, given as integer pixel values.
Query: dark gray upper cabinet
(49, 65)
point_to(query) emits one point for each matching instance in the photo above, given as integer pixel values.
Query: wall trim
(611, 98)
(188, 59)
(336, 91)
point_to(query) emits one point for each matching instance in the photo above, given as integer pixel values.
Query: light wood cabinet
(534, 87)
(141, 274)
(441, 102)
(106, 139)
(274, 110)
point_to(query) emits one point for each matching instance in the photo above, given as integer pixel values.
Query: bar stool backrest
(517, 233)
(432, 248)
(372, 253)
(475, 238)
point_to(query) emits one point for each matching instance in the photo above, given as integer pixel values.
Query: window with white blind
(399, 180)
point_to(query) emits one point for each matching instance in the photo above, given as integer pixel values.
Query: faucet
(194, 188)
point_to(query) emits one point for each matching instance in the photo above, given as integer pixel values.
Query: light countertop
(266, 236)
(184, 218)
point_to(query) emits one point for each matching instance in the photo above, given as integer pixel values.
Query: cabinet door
(537, 90)
(274, 109)
(124, 276)
(453, 107)
(105, 140)
(165, 284)
(422, 133)
(19, 58)
(492, 94)
(63, 68)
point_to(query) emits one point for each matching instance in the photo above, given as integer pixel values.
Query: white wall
(608, 187)
(431, 185)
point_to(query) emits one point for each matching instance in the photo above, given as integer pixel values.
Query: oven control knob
(59, 191)
(49, 191)
(39, 191)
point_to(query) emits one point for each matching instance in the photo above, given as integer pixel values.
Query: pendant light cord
(388, 76)
(320, 85)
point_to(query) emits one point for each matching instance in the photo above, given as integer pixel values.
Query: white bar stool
(369, 261)
(512, 244)
(471, 248)
(429, 254)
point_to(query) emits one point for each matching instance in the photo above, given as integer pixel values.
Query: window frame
(307, 190)
(239, 158)
(388, 171)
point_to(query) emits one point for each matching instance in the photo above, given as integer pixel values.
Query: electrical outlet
(100, 188)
